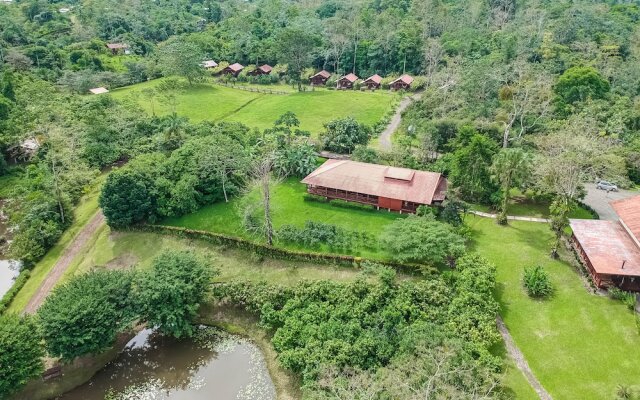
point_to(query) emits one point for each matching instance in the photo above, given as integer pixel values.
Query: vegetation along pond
(211, 365)
(9, 270)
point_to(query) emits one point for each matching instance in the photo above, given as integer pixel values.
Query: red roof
(323, 74)
(350, 77)
(404, 78)
(629, 212)
(607, 244)
(265, 68)
(375, 79)
(380, 180)
(236, 67)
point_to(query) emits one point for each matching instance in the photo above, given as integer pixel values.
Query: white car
(608, 186)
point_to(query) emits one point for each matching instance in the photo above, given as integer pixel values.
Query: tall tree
(510, 168)
(296, 47)
(181, 58)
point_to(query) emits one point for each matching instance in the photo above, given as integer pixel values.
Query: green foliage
(298, 159)
(511, 168)
(365, 154)
(470, 169)
(183, 59)
(170, 293)
(18, 283)
(343, 135)
(315, 234)
(84, 315)
(453, 212)
(21, 352)
(423, 240)
(578, 84)
(536, 282)
(127, 198)
(628, 298)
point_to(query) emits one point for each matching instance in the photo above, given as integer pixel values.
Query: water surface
(9, 270)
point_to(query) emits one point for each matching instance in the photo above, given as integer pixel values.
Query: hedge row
(15, 288)
(275, 252)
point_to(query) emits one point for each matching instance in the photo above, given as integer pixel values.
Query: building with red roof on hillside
(611, 249)
(402, 83)
(233, 69)
(381, 186)
(320, 78)
(347, 81)
(373, 82)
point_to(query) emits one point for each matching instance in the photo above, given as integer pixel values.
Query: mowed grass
(579, 345)
(206, 101)
(291, 206)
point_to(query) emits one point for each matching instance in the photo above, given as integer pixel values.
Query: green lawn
(314, 108)
(579, 345)
(290, 206)
(522, 206)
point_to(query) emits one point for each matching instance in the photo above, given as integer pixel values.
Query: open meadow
(213, 102)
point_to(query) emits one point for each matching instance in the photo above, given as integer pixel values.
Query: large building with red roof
(381, 186)
(611, 249)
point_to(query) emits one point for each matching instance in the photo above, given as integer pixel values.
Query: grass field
(579, 345)
(290, 207)
(258, 110)
(522, 206)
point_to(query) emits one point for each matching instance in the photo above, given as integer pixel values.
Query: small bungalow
(233, 69)
(396, 189)
(320, 78)
(373, 82)
(347, 81)
(209, 64)
(99, 90)
(262, 70)
(25, 150)
(402, 83)
(118, 48)
(610, 250)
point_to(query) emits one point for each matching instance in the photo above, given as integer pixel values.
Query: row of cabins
(373, 82)
(236, 68)
(394, 189)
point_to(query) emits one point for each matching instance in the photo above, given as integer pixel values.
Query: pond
(211, 365)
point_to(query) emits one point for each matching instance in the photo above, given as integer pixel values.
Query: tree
(295, 48)
(183, 59)
(422, 240)
(84, 315)
(223, 157)
(298, 159)
(262, 175)
(170, 293)
(470, 169)
(559, 210)
(128, 197)
(21, 352)
(343, 135)
(578, 84)
(511, 167)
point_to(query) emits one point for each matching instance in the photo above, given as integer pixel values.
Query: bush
(628, 298)
(15, 288)
(536, 282)
(343, 135)
(315, 234)
(21, 353)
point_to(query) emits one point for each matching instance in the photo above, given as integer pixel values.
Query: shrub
(21, 353)
(536, 282)
(628, 298)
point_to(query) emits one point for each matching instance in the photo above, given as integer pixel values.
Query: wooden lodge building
(373, 82)
(396, 189)
(347, 81)
(320, 78)
(233, 69)
(402, 83)
(262, 70)
(118, 48)
(611, 249)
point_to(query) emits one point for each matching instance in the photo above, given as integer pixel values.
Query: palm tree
(511, 167)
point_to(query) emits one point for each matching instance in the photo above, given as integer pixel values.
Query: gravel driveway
(599, 200)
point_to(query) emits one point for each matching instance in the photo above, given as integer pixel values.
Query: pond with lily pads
(211, 365)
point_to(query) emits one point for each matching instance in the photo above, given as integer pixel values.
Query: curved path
(70, 252)
(518, 358)
(509, 217)
(384, 141)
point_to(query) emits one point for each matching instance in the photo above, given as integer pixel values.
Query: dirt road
(63, 262)
(385, 137)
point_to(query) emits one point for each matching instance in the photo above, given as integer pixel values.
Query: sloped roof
(99, 90)
(607, 245)
(374, 78)
(629, 212)
(209, 64)
(323, 74)
(350, 77)
(265, 68)
(115, 46)
(379, 180)
(236, 67)
(404, 78)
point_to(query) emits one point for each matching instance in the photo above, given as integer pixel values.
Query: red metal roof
(607, 245)
(323, 74)
(265, 68)
(236, 67)
(380, 180)
(404, 78)
(350, 77)
(629, 212)
(375, 79)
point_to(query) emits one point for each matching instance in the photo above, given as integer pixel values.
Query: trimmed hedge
(15, 288)
(275, 252)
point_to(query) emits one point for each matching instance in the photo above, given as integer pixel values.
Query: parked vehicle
(608, 186)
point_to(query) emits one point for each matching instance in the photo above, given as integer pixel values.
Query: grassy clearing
(257, 110)
(579, 345)
(522, 206)
(290, 206)
(86, 209)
